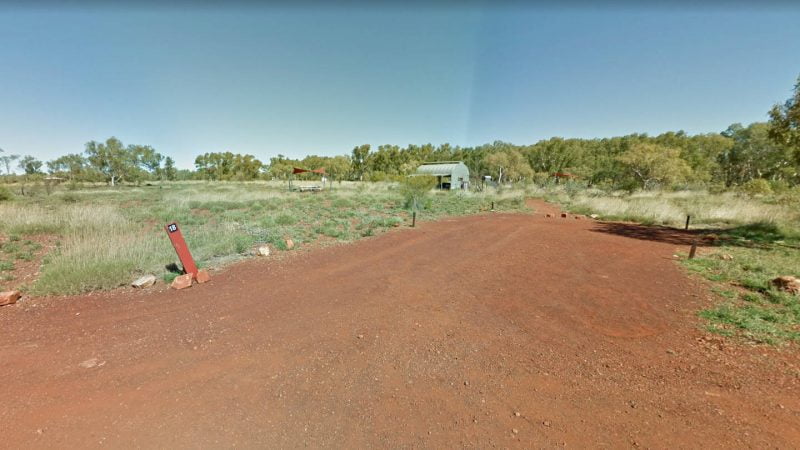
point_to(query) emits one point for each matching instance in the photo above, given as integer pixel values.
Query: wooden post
(687, 222)
(176, 237)
(693, 250)
(493, 206)
(413, 219)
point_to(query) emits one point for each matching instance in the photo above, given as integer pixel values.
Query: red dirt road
(429, 337)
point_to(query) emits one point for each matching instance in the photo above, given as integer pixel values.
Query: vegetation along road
(501, 329)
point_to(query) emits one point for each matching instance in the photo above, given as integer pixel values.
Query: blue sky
(311, 80)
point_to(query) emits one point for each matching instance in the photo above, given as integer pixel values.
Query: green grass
(107, 237)
(751, 308)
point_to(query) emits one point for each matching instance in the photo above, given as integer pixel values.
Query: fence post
(687, 222)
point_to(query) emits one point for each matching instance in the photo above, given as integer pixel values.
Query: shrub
(5, 194)
(69, 198)
(415, 188)
(285, 219)
(757, 186)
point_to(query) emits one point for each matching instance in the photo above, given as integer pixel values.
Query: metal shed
(449, 174)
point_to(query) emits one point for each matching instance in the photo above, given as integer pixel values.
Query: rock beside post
(144, 282)
(182, 281)
(203, 276)
(262, 250)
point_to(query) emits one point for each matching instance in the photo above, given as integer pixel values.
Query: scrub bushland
(107, 236)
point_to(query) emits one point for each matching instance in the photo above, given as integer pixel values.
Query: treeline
(108, 161)
(760, 154)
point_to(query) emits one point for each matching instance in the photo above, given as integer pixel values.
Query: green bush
(757, 186)
(414, 189)
(5, 194)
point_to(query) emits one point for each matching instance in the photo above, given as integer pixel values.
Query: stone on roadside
(262, 250)
(9, 297)
(182, 281)
(594, 216)
(203, 276)
(289, 244)
(785, 283)
(563, 215)
(144, 281)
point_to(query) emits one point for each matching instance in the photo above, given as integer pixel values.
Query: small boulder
(289, 244)
(262, 250)
(144, 282)
(182, 281)
(9, 297)
(203, 276)
(563, 215)
(594, 216)
(787, 283)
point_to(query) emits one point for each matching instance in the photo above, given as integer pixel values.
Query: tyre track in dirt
(429, 337)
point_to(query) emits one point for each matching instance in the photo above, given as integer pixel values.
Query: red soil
(435, 336)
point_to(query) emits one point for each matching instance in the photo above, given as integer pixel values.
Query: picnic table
(313, 188)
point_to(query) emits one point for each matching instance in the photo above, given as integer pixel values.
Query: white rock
(263, 250)
(93, 362)
(145, 281)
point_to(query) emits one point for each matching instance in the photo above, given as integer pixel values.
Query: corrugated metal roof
(438, 169)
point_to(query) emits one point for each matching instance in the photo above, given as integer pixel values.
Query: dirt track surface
(432, 337)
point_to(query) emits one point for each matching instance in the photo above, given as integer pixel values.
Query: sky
(268, 79)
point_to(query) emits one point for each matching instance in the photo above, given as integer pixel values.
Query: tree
(784, 122)
(169, 168)
(339, 167)
(509, 164)
(111, 159)
(30, 165)
(147, 158)
(553, 155)
(228, 166)
(280, 167)
(651, 164)
(360, 161)
(7, 160)
(72, 165)
(753, 155)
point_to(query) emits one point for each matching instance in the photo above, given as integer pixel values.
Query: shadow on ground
(752, 235)
(657, 233)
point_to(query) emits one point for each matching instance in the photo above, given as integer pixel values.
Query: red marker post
(176, 237)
